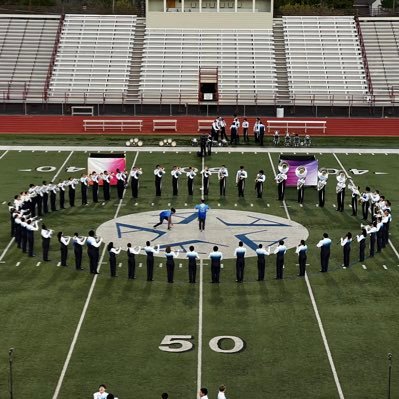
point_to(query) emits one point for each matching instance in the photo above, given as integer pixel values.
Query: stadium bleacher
(26, 46)
(93, 58)
(381, 40)
(323, 57)
(172, 59)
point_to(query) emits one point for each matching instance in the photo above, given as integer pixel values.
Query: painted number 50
(182, 343)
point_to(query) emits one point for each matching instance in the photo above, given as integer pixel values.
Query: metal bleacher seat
(26, 46)
(381, 41)
(323, 56)
(245, 61)
(94, 57)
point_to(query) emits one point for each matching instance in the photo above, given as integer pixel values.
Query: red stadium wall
(188, 125)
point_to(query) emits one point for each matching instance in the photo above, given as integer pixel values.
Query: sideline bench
(113, 124)
(165, 124)
(289, 124)
(204, 124)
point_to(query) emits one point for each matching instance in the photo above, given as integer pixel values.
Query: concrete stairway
(133, 88)
(283, 90)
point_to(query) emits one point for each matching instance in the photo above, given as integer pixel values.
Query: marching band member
(321, 186)
(374, 199)
(24, 235)
(53, 196)
(159, 171)
(202, 210)
(365, 200)
(206, 173)
(239, 253)
(215, 129)
(346, 244)
(372, 232)
(340, 190)
(31, 227)
(245, 127)
(241, 175)
(280, 251)
(120, 184)
(61, 186)
(222, 176)
(135, 178)
(222, 125)
(261, 132)
(261, 253)
(361, 239)
(32, 193)
(150, 251)
(78, 243)
(170, 263)
(301, 173)
(131, 261)
(233, 133)
(71, 191)
(216, 257)
(190, 180)
(64, 241)
(95, 179)
(355, 196)
(175, 172)
(259, 181)
(276, 138)
(386, 220)
(238, 124)
(256, 130)
(302, 250)
(324, 244)
(192, 264)
(84, 182)
(46, 237)
(106, 178)
(39, 200)
(93, 245)
(281, 178)
(45, 189)
(112, 252)
(380, 234)
(18, 229)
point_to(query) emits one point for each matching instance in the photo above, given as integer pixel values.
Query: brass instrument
(283, 167)
(322, 178)
(341, 179)
(301, 172)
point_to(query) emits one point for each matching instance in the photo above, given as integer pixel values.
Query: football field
(323, 336)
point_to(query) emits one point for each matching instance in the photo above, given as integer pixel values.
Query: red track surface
(188, 125)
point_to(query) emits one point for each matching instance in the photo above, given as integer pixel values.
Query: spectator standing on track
(245, 127)
(221, 393)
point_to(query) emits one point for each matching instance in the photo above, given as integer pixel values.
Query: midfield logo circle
(223, 228)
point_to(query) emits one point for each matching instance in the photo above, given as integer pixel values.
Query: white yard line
(251, 150)
(317, 314)
(3, 154)
(86, 305)
(62, 166)
(6, 249)
(200, 303)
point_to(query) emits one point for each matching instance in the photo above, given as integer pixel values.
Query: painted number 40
(182, 343)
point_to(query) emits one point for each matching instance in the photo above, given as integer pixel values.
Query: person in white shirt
(221, 393)
(241, 176)
(159, 171)
(94, 177)
(206, 173)
(46, 236)
(106, 178)
(192, 257)
(31, 227)
(222, 176)
(121, 178)
(256, 130)
(190, 180)
(64, 241)
(280, 251)
(245, 127)
(150, 251)
(324, 245)
(302, 250)
(216, 257)
(170, 263)
(239, 253)
(84, 183)
(78, 243)
(365, 200)
(93, 251)
(135, 179)
(346, 244)
(101, 394)
(175, 172)
(112, 252)
(131, 261)
(261, 253)
(361, 239)
(203, 393)
(259, 180)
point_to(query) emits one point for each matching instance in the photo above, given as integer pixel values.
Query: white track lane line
(200, 304)
(316, 312)
(55, 176)
(85, 307)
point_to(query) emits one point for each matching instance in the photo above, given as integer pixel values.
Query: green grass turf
(284, 355)
(184, 140)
